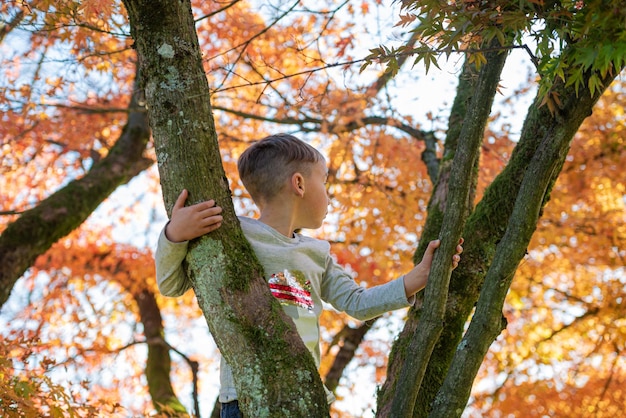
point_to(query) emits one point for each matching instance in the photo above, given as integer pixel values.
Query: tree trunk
(436, 206)
(534, 190)
(458, 201)
(484, 229)
(274, 373)
(34, 232)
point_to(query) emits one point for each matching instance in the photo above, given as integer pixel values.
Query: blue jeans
(230, 410)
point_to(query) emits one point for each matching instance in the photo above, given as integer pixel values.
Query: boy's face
(316, 200)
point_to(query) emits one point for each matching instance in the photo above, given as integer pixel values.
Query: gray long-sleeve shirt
(301, 274)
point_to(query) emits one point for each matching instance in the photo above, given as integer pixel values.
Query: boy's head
(266, 165)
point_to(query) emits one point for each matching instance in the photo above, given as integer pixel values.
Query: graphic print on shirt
(291, 289)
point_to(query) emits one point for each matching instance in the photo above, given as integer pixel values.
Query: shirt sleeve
(344, 294)
(169, 256)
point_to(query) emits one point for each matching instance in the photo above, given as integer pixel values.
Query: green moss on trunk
(253, 336)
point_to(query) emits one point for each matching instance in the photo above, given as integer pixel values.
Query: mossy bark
(484, 233)
(533, 191)
(460, 186)
(483, 230)
(34, 232)
(274, 373)
(436, 206)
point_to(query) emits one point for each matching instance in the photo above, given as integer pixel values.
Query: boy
(286, 179)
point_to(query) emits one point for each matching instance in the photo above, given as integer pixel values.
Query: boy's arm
(187, 223)
(169, 256)
(340, 290)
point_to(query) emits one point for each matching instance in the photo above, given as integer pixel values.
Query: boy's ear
(297, 184)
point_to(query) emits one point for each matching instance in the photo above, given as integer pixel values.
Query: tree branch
(431, 230)
(6, 28)
(217, 11)
(351, 339)
(66, 209)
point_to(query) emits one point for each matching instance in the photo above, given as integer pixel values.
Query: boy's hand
(427, 260)
(192, 221)
(416, 279)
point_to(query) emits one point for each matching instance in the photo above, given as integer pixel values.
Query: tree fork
(534, 191)
(487, 224)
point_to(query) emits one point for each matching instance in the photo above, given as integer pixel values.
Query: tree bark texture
(534, 191)
(274, 373)
(34, 232)
(459, 191)
(436, 207)
(484, 229)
